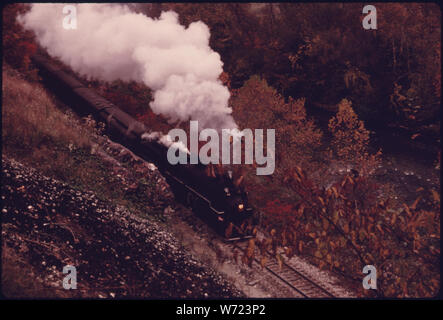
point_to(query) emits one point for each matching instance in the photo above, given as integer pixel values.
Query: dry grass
(36, 132)
(30, 117)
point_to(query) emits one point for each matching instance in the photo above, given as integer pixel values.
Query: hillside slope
(71, 196)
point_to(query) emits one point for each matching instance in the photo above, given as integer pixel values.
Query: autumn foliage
(345, 228)
(351, 139)
(258, 105)
(18, 45)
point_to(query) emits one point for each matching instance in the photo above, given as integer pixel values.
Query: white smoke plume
(111, 42)
(166, 140)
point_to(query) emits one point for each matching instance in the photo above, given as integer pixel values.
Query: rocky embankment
(47, 225)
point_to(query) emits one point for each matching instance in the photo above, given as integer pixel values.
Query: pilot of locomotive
(232, 197)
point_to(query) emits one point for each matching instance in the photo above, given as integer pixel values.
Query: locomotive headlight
(240, 207)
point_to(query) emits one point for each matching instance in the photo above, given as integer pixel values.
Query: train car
(217, 200)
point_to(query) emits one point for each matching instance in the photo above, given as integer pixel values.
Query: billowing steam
(166, 140)
(111, 42)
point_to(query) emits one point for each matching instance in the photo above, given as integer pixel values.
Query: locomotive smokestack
(111, 42)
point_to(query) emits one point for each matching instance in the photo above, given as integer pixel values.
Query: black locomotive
(216, 199)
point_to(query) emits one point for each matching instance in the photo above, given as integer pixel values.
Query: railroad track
(302, 286)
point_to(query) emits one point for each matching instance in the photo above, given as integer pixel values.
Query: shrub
(350, 140)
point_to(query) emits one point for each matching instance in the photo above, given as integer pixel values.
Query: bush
(350, 141)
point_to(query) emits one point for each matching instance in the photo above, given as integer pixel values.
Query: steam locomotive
(216, 199)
